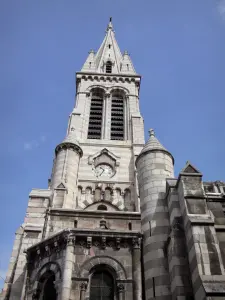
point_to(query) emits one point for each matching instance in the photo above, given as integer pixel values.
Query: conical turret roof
(70, 140)
(154, 145)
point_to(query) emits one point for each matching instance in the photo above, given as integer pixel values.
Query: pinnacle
(151, 132)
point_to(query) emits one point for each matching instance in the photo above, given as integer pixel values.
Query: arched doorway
(102, 285)
(46, 287)
(49, 292)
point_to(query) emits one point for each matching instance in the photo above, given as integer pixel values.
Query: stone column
(136, 266)
(57, 286)
(83, 288)
(68, 268)
(107, 120)
(120, 289)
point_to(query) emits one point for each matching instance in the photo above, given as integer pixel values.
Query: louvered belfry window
(108, 67)
(117, 116)
(95, 118)
(102, 286)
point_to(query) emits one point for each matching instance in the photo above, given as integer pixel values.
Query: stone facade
(113, 207)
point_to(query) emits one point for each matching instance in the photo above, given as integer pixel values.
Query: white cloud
(221, 8)
(30, 145)
(27, 146)
(43, 138)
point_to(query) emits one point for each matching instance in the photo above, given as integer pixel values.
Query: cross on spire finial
(110, 26)
(151, 132)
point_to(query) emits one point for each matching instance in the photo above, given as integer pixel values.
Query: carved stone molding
(83, 286)
(89, 242)
(103, 224)
(70, 240)
(136, 243)
(85, 239)
(103, 244)
(103, 77)
(68, 145)
(118, 243)
(120, 287)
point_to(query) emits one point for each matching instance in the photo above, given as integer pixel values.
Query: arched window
(95, 118)
(97, 194)
(117, 116)
(102, 207)
(118, 194)
(79, 193)
(102, 286)
(88, 194)
(108, 67)
(107, 194)
(127, 200)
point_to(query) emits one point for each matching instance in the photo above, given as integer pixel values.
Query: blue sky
(177, 46)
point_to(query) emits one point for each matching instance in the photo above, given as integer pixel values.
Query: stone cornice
(85, 238)
(107, 143)
(95, 214)
(106, 76)
(40, 193)
(69, 145)
(109, 181)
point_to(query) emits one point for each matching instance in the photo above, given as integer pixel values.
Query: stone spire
(109, 51)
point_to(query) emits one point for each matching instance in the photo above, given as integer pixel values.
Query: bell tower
(106, 128)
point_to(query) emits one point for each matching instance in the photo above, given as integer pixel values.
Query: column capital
(136, 243)
(120, 287)
(70, 240)
(83, 286)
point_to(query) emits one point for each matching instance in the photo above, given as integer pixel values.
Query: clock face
(104, 171)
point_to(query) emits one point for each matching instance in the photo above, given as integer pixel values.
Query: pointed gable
(109, 52)
(61, 186)
(189, 168)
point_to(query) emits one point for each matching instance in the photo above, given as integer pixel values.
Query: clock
(104, 170)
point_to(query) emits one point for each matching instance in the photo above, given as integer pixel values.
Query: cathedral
(114, 222)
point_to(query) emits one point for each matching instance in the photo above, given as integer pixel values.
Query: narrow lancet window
(95, 118)
(117, 116)
(108, 67)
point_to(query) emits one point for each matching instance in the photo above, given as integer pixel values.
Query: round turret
(154, 164)
(64, 177)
